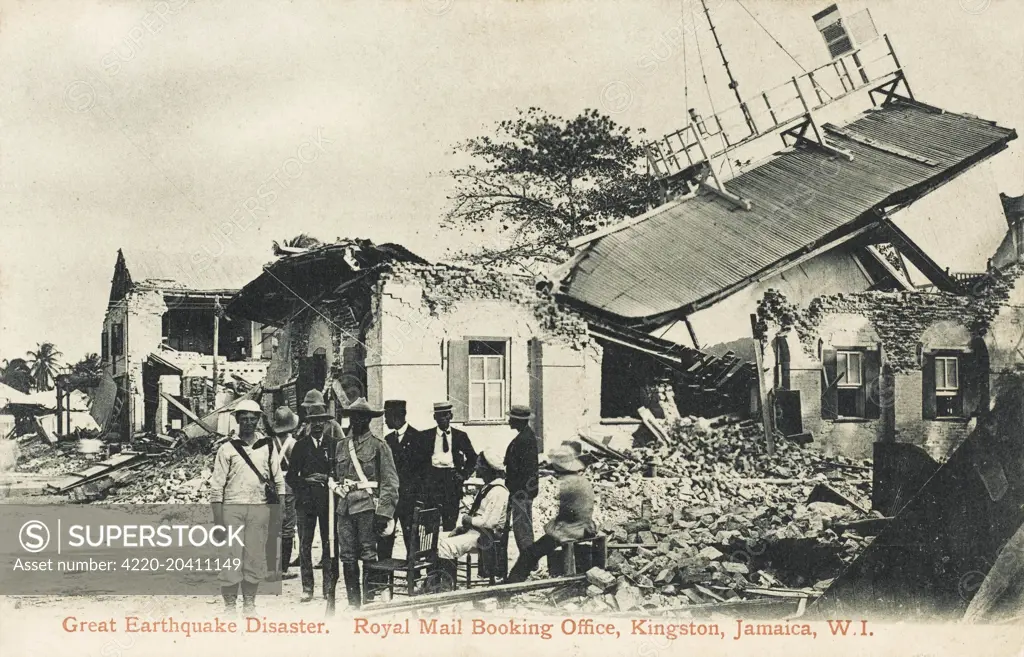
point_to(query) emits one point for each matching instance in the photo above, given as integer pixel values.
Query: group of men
(378, 483)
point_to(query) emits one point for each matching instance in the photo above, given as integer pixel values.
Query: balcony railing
(872, 65)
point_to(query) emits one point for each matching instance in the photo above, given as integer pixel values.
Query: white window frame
(947, 390)
(485, 414)
(844, 379)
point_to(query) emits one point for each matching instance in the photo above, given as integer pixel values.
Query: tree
(86, 373)
(16, 374)
(44, 365)
(300, 241)
(543, 181)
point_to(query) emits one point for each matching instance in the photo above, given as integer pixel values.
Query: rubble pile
(705, 514)
(39, 457)
(185, 481)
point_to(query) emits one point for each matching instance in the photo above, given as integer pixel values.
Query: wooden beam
(919, 258)
(769, 430)
(188, 413)
(468, 595)
(740, 203)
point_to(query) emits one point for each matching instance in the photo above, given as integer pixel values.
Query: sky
(219, 126)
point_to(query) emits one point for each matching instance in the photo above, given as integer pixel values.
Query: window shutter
(536, 369)
(829, 389)
(458, 379)
(928, 387)
(872, 387)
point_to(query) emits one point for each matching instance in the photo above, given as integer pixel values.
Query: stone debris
(719, 516)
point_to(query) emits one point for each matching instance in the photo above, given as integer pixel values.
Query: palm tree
(86, 373)
(300, 241)
(44, 365)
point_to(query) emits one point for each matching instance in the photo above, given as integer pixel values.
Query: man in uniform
(521, 464)
(366, 485)
(307, 476)
(451, 463)
(282, 424)
(412, 458)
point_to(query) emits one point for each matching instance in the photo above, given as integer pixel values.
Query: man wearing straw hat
(451, 462)
(366, 485)
(307, 475)
(575, 513)
(245, 479)
(521, 467)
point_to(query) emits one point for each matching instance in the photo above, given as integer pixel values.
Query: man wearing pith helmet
(243, 466)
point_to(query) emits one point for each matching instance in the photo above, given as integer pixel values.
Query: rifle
(332, 562)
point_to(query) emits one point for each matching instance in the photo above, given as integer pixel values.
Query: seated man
(575, 513)
(486, 517)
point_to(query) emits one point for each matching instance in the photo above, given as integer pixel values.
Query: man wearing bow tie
(412, 460)
(451, 463)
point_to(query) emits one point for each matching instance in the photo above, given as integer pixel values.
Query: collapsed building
(359, 319)
(164, 336)
(864, 204)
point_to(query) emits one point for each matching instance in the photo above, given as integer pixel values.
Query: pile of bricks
(709, 515)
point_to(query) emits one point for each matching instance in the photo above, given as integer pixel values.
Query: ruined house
(158, 338)
(893, 367)
(867, 203)
(359, 319)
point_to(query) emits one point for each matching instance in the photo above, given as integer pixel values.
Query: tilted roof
(691, 250)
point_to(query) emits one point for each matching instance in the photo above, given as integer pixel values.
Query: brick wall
(900, 322)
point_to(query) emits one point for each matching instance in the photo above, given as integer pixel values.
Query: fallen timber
(116, 463)
(469, 595)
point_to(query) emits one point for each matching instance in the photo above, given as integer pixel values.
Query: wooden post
(60, 409)
(766, 419)
(216, 343)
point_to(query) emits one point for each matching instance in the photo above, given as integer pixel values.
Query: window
(850, 369)
(478, 379)
(486, 380)
(104, 346)
(954, 383)
(850, 383)
(850, 395)
(948, 402)
(117, 331)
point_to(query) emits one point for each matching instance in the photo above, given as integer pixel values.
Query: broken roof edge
(583, 240)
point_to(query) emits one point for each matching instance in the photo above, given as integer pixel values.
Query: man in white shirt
(486, 518)
(451, 463)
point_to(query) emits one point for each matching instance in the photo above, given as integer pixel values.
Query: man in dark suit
(452, 460)
(307, 476)
(412, 459)
(521, 474)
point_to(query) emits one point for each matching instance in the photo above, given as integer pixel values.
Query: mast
(733, 84)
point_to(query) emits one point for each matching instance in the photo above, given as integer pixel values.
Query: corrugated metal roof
(696, 248)
(194, 271)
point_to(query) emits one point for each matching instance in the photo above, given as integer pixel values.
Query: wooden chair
(574, 557)
(491, 562)
(418, 564)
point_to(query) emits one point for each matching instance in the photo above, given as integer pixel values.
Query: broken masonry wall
(419, 311)
(143, 334)
(905, 328)
(727, 320)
